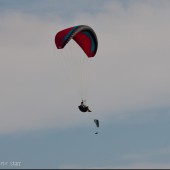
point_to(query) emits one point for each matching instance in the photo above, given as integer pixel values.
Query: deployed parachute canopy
(96, 122)
(83, 35)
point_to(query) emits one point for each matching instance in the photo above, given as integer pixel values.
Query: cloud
(143, 160)
(139, 165)
(148, 154)
(130, 71)
(32, 88)
(145, 165)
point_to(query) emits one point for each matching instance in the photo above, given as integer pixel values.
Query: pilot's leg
(88, 110)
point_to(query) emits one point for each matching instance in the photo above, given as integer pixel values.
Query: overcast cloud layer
(130, 72)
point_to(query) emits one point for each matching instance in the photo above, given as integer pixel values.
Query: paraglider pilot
(83, 107)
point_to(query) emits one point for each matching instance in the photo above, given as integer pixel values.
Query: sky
(126, 85)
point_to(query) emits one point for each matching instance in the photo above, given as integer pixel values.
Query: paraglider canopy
(96, 122)
(83, 35)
